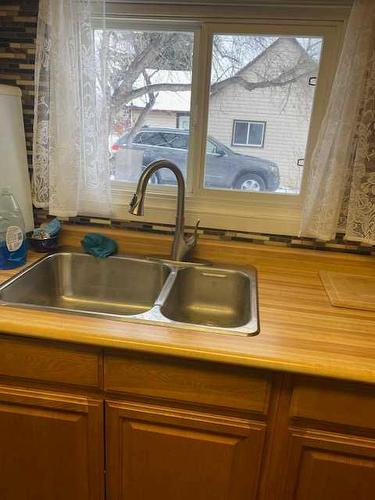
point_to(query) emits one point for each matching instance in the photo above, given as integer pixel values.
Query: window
(211, 148)
(179, 141)
(246, 133)
(228, 97)
(183, 121)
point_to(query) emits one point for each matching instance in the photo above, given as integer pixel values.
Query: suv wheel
(250, 182)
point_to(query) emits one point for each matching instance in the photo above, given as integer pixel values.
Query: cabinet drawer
(337, 402)
(49, 362)
(187, 380)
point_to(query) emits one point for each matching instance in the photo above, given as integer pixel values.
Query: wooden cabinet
(176, 429)
(326, 444)
(51, 446)
(162, 453)
(197, 430)
(329, 466)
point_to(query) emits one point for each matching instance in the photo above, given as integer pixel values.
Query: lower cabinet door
(51, 446)
(159, 453)
(325, 466)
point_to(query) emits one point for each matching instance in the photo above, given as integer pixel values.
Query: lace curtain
(70, 152)
(342, 172)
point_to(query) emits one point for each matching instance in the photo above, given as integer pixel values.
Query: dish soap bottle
(13, 244)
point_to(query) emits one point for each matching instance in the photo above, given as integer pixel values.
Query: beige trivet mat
(350, 290)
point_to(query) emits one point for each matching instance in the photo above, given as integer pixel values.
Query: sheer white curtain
(70, 152)
(342, 173)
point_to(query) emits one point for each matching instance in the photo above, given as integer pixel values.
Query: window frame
(249, 212)
(249, 123)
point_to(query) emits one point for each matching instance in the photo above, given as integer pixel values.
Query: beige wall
(158, 118)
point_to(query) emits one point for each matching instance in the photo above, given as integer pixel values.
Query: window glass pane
(154, 139)
(138, 139)
(260, 106)
(183, 121)
(150, 84)
(255, 134)
(211, 148)
(240, 132)
(179, 141)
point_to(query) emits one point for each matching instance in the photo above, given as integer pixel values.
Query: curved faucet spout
(181, 245)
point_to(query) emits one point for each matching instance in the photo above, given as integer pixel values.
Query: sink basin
(180, 294)
(210, 297)
(79, 282)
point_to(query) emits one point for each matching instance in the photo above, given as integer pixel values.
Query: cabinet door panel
(326, 466)
(159, 453)
(51, 446)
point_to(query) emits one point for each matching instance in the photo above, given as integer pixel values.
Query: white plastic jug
(13, 159)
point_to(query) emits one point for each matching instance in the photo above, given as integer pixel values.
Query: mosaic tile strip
(338, 245)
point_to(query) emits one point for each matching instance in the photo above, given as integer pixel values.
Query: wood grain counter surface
(300, 332)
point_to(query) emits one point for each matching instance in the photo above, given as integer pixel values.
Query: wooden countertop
(300, 331)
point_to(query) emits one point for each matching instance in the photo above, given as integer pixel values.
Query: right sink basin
(213, 297)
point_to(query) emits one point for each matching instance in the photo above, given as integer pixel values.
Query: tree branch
(280, 81)
(143, 60)
(141, 117)
(150, 89)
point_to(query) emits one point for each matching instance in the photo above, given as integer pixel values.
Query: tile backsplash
(338, 245)
(18, 24)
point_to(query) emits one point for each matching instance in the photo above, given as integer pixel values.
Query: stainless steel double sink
(181, 294)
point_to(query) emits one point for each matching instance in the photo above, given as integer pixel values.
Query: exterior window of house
(183, 121)
(248, 133)
(235, 101)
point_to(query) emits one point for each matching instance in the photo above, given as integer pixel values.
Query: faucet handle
(196, 229)
(133, 202)
(192, 240)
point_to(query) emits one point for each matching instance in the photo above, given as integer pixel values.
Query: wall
(158, 118)
(18, 20)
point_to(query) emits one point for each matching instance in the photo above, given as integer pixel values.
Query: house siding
(157, 118)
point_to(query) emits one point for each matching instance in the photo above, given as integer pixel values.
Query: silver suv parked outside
(225, 169)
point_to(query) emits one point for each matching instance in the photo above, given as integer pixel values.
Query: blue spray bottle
(13, 243)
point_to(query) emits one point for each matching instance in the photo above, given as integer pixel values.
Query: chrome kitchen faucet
(181, 244)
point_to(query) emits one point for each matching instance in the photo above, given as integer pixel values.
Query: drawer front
(50, 362)
(337, 402)
(190, 381)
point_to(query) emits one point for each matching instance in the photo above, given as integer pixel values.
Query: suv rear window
(164, 139)
(178, 141)
(151, 139)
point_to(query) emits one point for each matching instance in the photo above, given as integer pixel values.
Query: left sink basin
(78, 282)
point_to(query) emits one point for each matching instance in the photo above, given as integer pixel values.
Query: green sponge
(99, 245)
